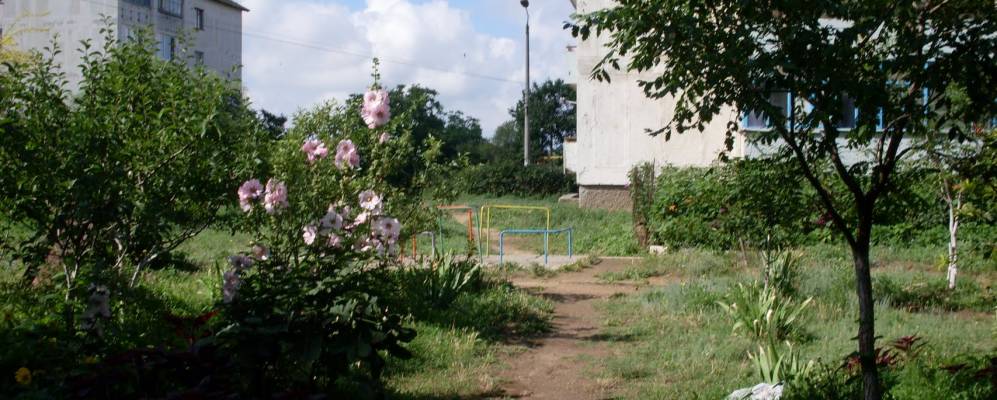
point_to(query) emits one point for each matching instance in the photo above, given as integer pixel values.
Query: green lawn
(675, 342)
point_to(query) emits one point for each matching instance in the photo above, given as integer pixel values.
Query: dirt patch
(559, 364)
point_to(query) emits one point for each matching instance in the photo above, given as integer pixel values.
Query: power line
(312, 46)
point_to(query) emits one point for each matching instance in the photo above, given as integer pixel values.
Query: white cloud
(299, 52)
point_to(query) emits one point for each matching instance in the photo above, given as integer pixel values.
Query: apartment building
(208, 32)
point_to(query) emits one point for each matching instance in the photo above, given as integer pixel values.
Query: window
(199, 19)
(199, 57)
(167, 47)
(758, 121)
(143, 3)
(124, 33)
(848, 113)
(171, 7)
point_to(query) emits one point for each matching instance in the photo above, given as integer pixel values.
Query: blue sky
(300, 52)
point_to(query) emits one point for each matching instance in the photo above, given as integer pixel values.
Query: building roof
(233, 4)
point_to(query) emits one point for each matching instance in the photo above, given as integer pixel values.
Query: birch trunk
(955, 206)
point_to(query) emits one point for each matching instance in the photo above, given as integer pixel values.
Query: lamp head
(525, 3)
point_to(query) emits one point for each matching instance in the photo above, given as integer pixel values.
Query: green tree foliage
(895, 61)
(552, 118)
(457, 132)
(274, 124)
(113, 177)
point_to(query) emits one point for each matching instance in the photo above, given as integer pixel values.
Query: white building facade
(199, 31)
(613, 119)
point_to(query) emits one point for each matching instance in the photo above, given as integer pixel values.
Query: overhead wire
(317, 47)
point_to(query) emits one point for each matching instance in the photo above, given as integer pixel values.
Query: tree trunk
(867, 319)
(954, 207)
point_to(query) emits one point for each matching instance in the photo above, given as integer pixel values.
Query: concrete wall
(71, 21)
(77, 20)
(613, 119)
(221, 39)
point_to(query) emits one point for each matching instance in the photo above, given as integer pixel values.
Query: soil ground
(560, 364)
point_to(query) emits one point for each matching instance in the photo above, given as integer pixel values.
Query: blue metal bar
(546, 232)
(501, 246)
(570, 241)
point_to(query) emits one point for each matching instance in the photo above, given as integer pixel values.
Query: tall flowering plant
(346, 188)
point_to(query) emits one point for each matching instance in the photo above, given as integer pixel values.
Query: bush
(754, 201)
(764, 313)
(746, 201)
(510, 178)
(110, 179)
(302, 308)
(933, 294)
(439, 282)
(910, 377)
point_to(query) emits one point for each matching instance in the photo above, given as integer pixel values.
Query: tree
(894, 60)
(114, 177)
(459, 133)
(273, 124)
(508, 142)
(967, 173)
(552, 117)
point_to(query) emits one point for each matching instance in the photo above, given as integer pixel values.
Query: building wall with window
(197, 31)
(40, 22)
(613, 119)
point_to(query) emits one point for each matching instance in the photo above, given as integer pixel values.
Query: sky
(300, 52)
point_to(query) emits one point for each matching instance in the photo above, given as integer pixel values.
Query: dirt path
(558, 365)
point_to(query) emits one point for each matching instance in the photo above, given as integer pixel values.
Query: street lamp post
(526, 94)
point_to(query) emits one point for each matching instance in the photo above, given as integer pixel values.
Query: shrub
(510, 178)
(642, 191)
(136, 163)
(301, 308)
(774, 365)
(722, 207)
(927, 294)
(765, 314)
(781, 272)
(438, 282)
(753, 201)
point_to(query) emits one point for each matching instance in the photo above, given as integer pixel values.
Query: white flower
(331, 221)
(388, 229)
(370, 201)
(335, 241)
(309, 233)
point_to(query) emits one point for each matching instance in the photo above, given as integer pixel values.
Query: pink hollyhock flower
(261, 253)
(335, 241)
(346, 154)
(275, 198)
(331, 221)
(248, 192)
(361, 219)
(374, 97)
(315, 149)
(370, 201)
(371, 244)
(240, 262)
(309, 233)
(376, 115)
(388, 229)
(230, 285)
(384, 138)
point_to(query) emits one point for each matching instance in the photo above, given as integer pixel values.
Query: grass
(447, 363)
(599, 232)
(674, 342)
